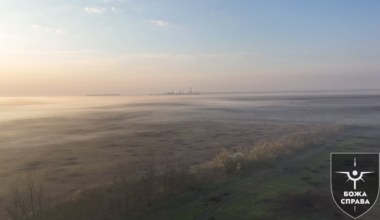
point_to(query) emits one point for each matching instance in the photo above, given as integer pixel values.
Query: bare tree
(169, 173)
(147, 176)
(28, 199)
(122, 175)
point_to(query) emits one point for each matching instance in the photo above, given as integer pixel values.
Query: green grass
(258, 197)
(258, 203)
(186, 198)
(193, 213)
(268, 198)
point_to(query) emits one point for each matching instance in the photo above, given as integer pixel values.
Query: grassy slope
(275, 198)
(277, 193)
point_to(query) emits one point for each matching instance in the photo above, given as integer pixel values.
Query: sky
(78, 47)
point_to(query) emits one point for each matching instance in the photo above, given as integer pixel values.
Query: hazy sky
(72, 47)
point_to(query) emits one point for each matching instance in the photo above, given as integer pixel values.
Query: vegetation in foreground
(135, 187)
(302, 190)
(268, 152)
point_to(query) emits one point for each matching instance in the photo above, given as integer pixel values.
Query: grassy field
(168, 186)
(256, 156)
(296, 190)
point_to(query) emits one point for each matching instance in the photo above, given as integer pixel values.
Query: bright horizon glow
(140, 47)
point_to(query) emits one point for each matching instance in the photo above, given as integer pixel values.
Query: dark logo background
(342, 162)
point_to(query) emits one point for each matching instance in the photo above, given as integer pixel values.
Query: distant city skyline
(145, 47)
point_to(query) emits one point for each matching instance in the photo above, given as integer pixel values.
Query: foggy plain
(72, 140)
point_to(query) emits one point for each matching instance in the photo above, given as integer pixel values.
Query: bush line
(134, 187)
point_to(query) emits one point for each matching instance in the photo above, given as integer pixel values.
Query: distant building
(182, 92)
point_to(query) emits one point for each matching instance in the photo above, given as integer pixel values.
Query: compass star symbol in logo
(358, 198)
(356, 176)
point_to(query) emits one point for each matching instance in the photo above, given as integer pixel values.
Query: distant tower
(191, 90)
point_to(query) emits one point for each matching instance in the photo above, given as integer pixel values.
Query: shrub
(267, 152)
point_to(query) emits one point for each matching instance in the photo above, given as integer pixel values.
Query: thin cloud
(60, 31)
(189, 56)
(230, 55)
(38, 27)
(95, 10)
(10, 36)
(46, 29)
(160, 23)
(51, 51)
(115, 9)
(105, 1)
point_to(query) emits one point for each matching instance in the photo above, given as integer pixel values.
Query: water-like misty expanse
(73, 139)
(341, 108)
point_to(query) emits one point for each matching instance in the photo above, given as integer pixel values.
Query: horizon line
(258, 92)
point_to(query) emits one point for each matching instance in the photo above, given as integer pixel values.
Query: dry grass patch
(265, 153)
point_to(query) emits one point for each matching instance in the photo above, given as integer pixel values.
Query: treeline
(132, 187)
(135, 187)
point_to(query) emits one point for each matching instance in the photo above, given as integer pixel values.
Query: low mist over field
(74, 139)
(185, 110)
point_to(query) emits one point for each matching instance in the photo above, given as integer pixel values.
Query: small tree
(28, 200)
